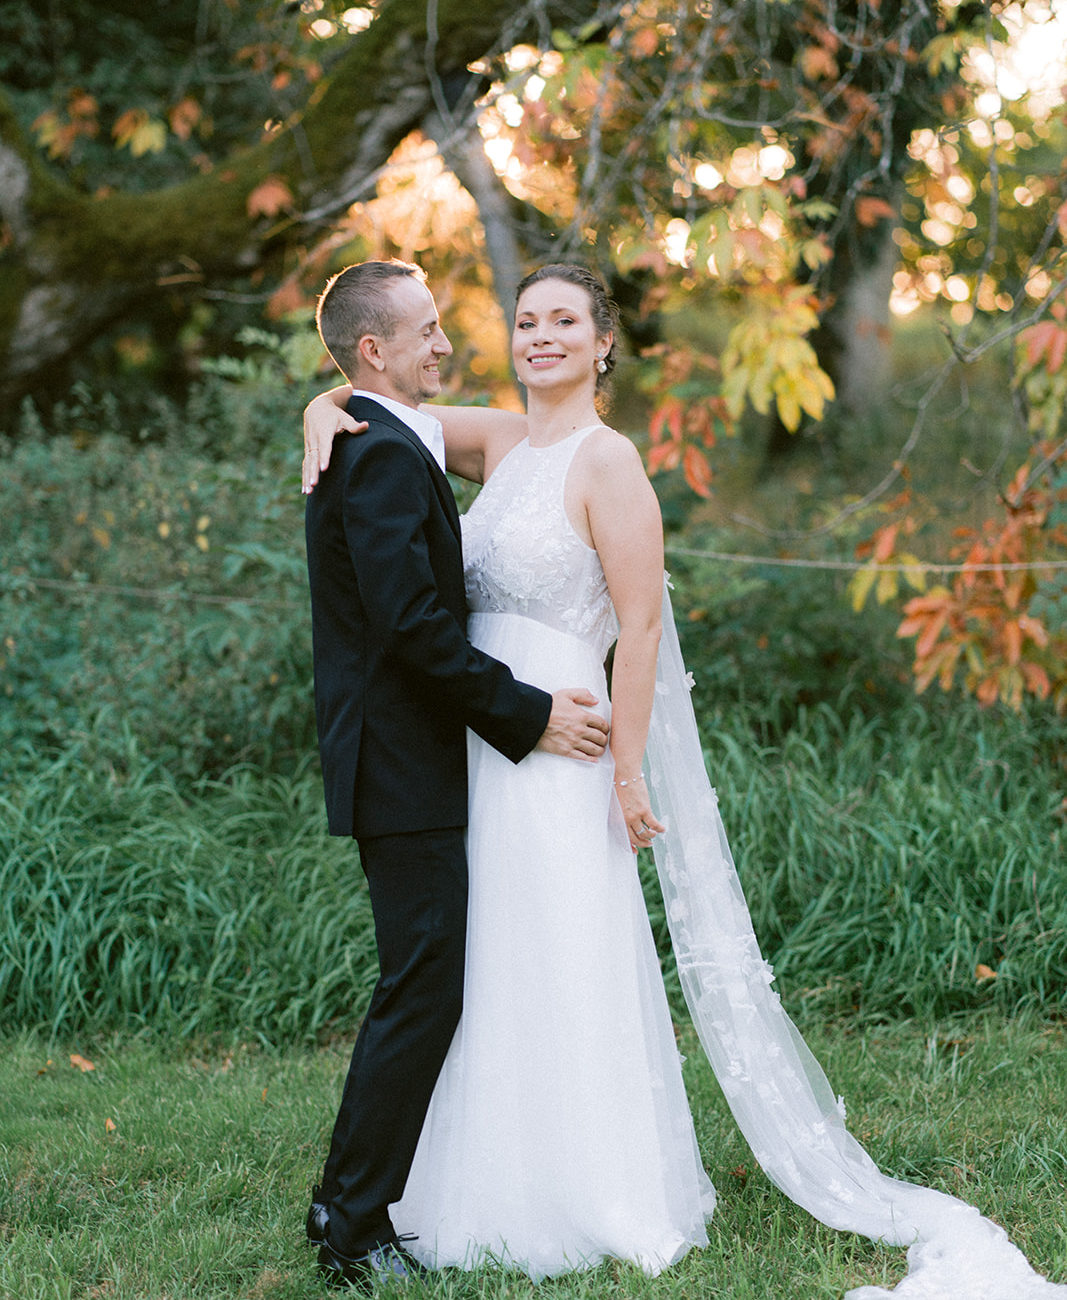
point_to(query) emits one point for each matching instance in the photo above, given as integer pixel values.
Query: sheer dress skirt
(559, 1133)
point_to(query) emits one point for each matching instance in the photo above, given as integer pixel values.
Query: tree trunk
(852, 342)
(71, 263)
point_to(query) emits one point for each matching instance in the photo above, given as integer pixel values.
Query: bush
(772, 641)
(156, 583)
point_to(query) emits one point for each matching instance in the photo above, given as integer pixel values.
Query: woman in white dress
(559, 1133)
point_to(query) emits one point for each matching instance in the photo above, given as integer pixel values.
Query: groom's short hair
(357, 302)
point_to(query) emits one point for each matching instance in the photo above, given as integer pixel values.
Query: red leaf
(665, 455)
(697, 471)
(668, 413)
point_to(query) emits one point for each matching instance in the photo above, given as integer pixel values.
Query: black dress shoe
(318, 1219)
(384, 1263)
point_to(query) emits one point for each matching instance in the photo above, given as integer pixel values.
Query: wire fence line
(854, 566)
(160, 594)
(13, 584)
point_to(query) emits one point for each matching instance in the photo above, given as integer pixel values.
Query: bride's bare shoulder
(608, 450)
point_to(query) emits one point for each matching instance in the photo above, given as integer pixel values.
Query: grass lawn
(165, 1173)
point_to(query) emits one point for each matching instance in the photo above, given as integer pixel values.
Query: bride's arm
(625, 525)
(476, 437)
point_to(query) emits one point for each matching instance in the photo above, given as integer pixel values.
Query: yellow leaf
(860, 586)
(149, 137)
(887, 586)
(788, 406)
(914, 575)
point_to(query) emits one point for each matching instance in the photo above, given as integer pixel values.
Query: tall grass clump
(903, 865)
(219, 909)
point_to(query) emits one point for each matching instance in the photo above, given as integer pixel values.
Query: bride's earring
(601, 365)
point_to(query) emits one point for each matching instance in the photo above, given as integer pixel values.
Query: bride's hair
(604, 311)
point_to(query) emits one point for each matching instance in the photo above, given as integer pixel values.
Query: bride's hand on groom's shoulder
(323, 421)
(572, 730)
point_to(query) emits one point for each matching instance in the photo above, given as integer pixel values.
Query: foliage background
(163, 861)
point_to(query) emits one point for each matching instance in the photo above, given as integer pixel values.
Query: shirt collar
(426, 427)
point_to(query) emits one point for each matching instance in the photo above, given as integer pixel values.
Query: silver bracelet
(632, 781)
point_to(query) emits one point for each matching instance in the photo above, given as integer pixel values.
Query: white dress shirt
(426, 427)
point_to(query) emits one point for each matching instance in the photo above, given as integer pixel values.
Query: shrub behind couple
(551, 1129)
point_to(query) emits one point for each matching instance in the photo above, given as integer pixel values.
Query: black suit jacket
(396, 680)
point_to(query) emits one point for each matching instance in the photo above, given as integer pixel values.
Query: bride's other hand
(642, 825)
(324, 418)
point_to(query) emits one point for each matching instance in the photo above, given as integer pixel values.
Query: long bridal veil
(776, 1089)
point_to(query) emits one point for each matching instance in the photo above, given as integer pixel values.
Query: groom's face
(412, 354)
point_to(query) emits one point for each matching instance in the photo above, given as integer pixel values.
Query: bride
(559, 1133)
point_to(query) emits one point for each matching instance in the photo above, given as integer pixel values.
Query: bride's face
(555, 342)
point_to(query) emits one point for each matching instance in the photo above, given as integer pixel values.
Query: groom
(396, 685)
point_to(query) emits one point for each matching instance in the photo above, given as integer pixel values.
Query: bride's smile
(555, 335)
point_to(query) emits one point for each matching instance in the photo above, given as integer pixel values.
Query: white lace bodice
(521, 554)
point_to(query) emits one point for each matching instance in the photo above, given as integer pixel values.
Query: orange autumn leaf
(645, 42)
(987, 691)
(1035, 630)
(870, 210)
(1047, 341)
(80, 1063)
(109, 1125)
(184, 116)
(697, 471)
(930, 634)
(983, 972)
(269, 197)
(886, 540)
(1013, 641)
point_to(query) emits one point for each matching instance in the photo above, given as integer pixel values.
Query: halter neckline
(586, 428)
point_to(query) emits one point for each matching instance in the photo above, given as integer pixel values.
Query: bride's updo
(603, 310)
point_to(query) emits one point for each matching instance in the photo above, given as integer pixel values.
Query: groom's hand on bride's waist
(572, 730)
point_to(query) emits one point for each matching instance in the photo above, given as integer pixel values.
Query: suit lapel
(365, 408)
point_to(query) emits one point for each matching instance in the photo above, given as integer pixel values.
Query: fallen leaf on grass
(80, 1063)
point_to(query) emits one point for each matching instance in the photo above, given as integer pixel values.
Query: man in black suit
(396, 685)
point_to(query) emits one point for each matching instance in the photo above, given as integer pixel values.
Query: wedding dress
(559, 1133)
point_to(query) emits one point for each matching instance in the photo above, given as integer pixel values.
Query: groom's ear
(369, 352)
